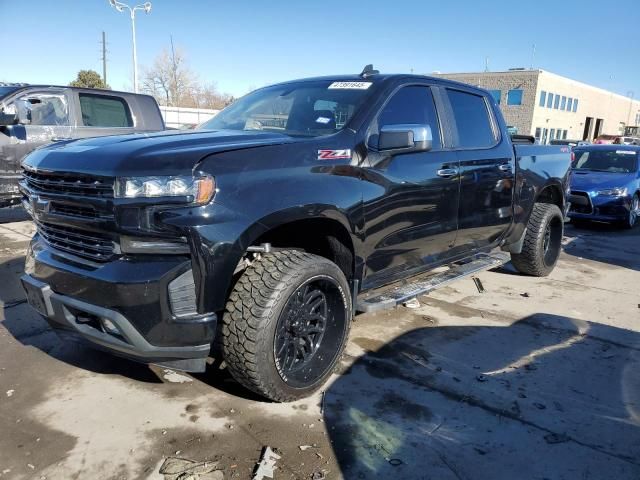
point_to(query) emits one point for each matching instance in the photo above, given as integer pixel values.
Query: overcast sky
(244, 44)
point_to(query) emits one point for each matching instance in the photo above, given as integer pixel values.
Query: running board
(395, 294)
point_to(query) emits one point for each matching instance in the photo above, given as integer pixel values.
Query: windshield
(308, 109)
(615, 161)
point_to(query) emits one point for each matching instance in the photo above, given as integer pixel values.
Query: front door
(411, 199)
(487, 172)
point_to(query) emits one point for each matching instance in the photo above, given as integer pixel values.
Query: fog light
(109, 327)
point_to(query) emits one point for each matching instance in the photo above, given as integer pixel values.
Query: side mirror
(404, 138)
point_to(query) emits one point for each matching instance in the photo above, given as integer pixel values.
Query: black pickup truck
(256, 238)
(34, 115)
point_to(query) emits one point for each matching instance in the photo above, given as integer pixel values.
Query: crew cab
(34, 115)
(257, 237)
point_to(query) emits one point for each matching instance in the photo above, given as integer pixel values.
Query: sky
(244, 44)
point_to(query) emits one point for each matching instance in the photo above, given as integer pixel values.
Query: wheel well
(551, 194)
(323, 237)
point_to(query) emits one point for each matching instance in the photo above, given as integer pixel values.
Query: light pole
(119, 6)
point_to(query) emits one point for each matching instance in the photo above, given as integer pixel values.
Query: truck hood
(589, 181)
(170, 152)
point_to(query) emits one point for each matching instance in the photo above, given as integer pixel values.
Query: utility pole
(533, 56)
(104, 58)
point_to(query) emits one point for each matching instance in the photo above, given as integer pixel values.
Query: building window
(543, 98)
(514, 97)
(545, 131)
(569, 104)
(552, 134)
(564, 135)
(550, 100)
(538, 133)
(575, 104)
(556, 102)
(558, 134)
(496, 94)
(563, 103)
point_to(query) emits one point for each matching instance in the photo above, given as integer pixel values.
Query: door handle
(447, 172)
(505, 167)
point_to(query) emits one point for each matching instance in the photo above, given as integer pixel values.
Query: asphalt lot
(532, 379)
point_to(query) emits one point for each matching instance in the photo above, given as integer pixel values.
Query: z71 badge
(334, 154)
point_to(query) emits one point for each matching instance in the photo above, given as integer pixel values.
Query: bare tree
(172, 82)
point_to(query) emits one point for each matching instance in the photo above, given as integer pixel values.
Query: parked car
(605, 184)
(266, 229)
(616, 140)
(34, 115)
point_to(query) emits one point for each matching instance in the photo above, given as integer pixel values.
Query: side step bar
(395, 294)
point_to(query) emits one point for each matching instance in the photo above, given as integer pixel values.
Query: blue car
(605, 184)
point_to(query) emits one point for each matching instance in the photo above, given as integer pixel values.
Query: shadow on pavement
(547, 397)
(605, 243)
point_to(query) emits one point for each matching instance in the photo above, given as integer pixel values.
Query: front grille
(84, 244)
(74, 211)
(74, 184)
(581, 202)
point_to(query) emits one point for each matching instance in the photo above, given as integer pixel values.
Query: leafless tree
(172, 82)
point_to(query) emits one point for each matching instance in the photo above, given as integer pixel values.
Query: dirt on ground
(535, 378)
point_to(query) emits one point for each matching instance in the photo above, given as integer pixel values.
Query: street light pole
(120, 7)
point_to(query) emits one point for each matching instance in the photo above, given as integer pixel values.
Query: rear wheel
(634, 212)
(286, 324)
(542, 241)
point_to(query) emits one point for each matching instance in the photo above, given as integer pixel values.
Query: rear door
(487, 171)
(102, 114)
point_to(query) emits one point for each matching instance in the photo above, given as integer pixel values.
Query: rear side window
(104, 111)
(472, 120)
(412, 105)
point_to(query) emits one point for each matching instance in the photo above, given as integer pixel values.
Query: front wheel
(286, 324)
(634, 212)
(542, 241)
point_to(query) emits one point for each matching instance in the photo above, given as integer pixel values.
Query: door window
(412, 105)
(472, 120)
(104, 111)
(44, 108)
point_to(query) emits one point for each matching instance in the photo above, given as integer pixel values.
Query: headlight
(613, 192)
(201, 189)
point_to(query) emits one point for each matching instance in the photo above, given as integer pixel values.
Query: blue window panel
(569, 104)
(496, 94)
(575, 104)
(514, 97)
(550, 100)
(543, 98)
(563, 103)
(556, 102)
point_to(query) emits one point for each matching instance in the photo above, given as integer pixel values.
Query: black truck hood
(173, 152)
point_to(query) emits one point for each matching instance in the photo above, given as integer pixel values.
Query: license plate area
(36, 296)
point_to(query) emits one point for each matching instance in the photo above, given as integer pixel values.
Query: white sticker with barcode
(350, 85)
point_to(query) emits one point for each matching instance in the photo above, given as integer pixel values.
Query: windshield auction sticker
(350, 85)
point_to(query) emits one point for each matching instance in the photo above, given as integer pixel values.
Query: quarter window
(472, 120)
(514, 97)
(412, 105)
(104, 111)
(543, 98)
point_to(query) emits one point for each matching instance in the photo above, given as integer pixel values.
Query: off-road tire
(534, 259)
(252, 313)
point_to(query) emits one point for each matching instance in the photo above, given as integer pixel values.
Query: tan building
(549, 106)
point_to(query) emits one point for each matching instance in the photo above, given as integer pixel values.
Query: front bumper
(120, 306)
(603, 209)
